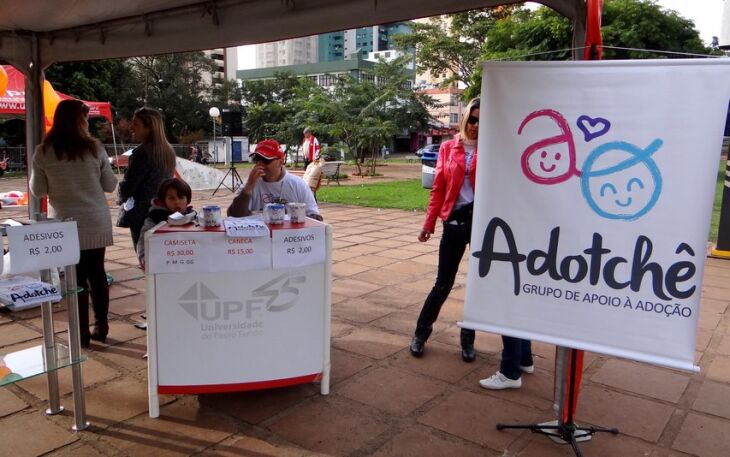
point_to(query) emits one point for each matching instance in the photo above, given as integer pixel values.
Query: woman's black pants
(454, 240)
(135, 230)
(91, 276)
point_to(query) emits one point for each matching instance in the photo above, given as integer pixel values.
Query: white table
(233, 314)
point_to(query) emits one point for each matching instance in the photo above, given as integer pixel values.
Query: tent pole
(34, 117)
(116, 153)
(114, 139)
(580, 27)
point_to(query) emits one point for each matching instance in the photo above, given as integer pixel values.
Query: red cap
(269, 149)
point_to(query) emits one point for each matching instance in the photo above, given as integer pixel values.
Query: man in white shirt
(269, 182)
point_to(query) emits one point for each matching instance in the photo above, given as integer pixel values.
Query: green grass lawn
(408, 195)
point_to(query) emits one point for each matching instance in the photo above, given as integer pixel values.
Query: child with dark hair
(173, 196)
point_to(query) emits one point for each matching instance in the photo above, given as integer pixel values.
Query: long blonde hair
(161, 153)
(473, 103)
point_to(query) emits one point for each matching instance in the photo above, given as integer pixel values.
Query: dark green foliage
(544, 34)
(452, 51)
(358, 116)
(172, 83)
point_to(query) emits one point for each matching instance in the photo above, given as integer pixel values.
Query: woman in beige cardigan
(73, 169)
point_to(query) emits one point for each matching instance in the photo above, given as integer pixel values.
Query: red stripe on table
(218, 388)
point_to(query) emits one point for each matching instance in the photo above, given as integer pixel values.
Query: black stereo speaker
(232, 123)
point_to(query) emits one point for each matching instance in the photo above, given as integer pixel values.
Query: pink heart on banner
(593, 127)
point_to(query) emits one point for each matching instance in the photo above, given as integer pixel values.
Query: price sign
(176, 252)
(43, 245)
(298, 247)
(240, 254)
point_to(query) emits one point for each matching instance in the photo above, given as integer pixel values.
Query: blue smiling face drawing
(621, 181)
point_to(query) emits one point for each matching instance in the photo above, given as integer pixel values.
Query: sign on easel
(41, 246)
(593, 201)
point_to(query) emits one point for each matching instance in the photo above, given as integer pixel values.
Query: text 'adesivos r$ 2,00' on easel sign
(41, 246)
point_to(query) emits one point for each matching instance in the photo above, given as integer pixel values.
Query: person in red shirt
(310, 147)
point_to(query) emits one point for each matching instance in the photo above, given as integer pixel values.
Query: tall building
(372, 39)
(226, 64)
(451, 108)
(324, 74)
(331, 46)
(424, 79)
(296, 51)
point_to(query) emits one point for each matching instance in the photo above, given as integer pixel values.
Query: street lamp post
(214, 113)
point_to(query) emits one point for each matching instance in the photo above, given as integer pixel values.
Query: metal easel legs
(565, 430)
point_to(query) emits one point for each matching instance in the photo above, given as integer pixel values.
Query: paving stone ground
(383, 402)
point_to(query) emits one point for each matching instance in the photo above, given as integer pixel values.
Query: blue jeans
(454, 240)
(515, 352)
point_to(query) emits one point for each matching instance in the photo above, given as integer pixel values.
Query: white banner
(594, 195)
(240, 327)
(40, 246)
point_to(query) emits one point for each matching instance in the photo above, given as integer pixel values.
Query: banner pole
(568, 361)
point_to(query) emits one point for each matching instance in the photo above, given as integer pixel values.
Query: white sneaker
(529, 369)
(499, 381)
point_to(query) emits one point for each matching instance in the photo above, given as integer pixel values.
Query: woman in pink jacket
(452, 200)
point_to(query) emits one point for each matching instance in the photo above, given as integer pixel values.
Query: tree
(543, 34)
(363, 114)
(174, 84)
(450, 49)
(373, 134)
(360, 114)
(226, 94)
(453, 47)
(648, 26)
(267, 106)
(88, 80)
(277, 90)
(98, 81)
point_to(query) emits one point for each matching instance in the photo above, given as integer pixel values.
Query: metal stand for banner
(564, 430)
(235, 179)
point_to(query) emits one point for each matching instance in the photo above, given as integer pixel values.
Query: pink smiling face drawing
(550, 160)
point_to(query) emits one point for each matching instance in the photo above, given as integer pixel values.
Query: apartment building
(296, 51)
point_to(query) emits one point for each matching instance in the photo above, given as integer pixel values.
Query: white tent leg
(34, 120)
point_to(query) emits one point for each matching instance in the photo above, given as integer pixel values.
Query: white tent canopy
(72, 30)
(36, 33)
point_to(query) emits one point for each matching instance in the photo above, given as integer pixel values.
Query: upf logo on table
(619, 181)
(229, 319)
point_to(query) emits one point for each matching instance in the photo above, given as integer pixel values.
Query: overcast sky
(706, 15)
